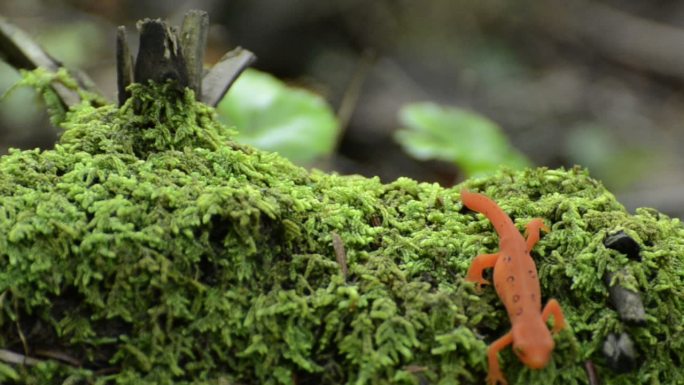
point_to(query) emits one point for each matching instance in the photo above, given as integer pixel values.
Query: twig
(60, 356)
(17, 359)
(20, 51)
(353, 91)
(222, 75)
(340, 253)
(591, 373)
(621, 36)
(22, 337)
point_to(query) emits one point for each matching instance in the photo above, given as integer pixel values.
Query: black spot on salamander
(516, 298)
(532, 274)
(532, 297)
(510, 279)
(508, 259)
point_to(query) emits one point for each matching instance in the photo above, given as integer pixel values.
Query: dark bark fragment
(160, 58)
(124, 65)
(222, 75)
(627, 302)
(193, 41)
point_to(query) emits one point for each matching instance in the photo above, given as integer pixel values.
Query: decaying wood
(219, 79)
(163, 55)
(340, 253)
(160, 57)
(193, 40)
(124, 65)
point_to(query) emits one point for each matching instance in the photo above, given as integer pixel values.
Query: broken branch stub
(193, 40)
(165, 54)
(21, 51)
(223, 74)
(124, 65)
(160, 58)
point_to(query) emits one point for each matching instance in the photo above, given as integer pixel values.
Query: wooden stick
(20, 51)
(592, 376)
(340, 253)
(222, 75)
(18, 359)
(159, 56)
(193, 40)
(124, 65)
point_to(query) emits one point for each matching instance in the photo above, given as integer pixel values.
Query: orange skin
(517, 284)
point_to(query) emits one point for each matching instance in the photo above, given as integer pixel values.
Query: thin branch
(222, 75)
(17, 359)
(20, 51)
(22, 337)
(353, 91)
(340, 253)
(60, 356)
(621, 36)
(591, 373)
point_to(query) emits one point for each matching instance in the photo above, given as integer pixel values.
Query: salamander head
(532, 343)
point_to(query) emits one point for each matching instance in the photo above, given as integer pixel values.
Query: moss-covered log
(149, 248)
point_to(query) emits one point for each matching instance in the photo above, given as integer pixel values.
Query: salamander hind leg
(532, 232)
(494, 375)
(553, 308)
(479, 264)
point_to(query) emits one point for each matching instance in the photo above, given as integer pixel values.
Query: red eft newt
(517, 284)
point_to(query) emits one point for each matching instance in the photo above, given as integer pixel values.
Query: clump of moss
(148, 248)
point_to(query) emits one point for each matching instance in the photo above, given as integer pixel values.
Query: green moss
(154, 250)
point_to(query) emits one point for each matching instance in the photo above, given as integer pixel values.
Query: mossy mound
(147, 248)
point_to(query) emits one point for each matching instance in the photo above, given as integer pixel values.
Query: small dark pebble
(428, 278)
(623, 243)
(627, 302)
(620, 353)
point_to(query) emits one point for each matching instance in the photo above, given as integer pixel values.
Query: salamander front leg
(553, 308)
(479, 264)
(532, 232)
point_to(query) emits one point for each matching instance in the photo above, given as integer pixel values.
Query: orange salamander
(517, 284)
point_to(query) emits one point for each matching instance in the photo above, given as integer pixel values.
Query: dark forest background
(595, 83)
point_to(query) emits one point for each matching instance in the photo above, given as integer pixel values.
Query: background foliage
(596, 83)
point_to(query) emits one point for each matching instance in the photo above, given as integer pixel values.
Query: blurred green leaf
(75, 44)
(20, 107)
(615, 162)
(476, 144)
(272, 116)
